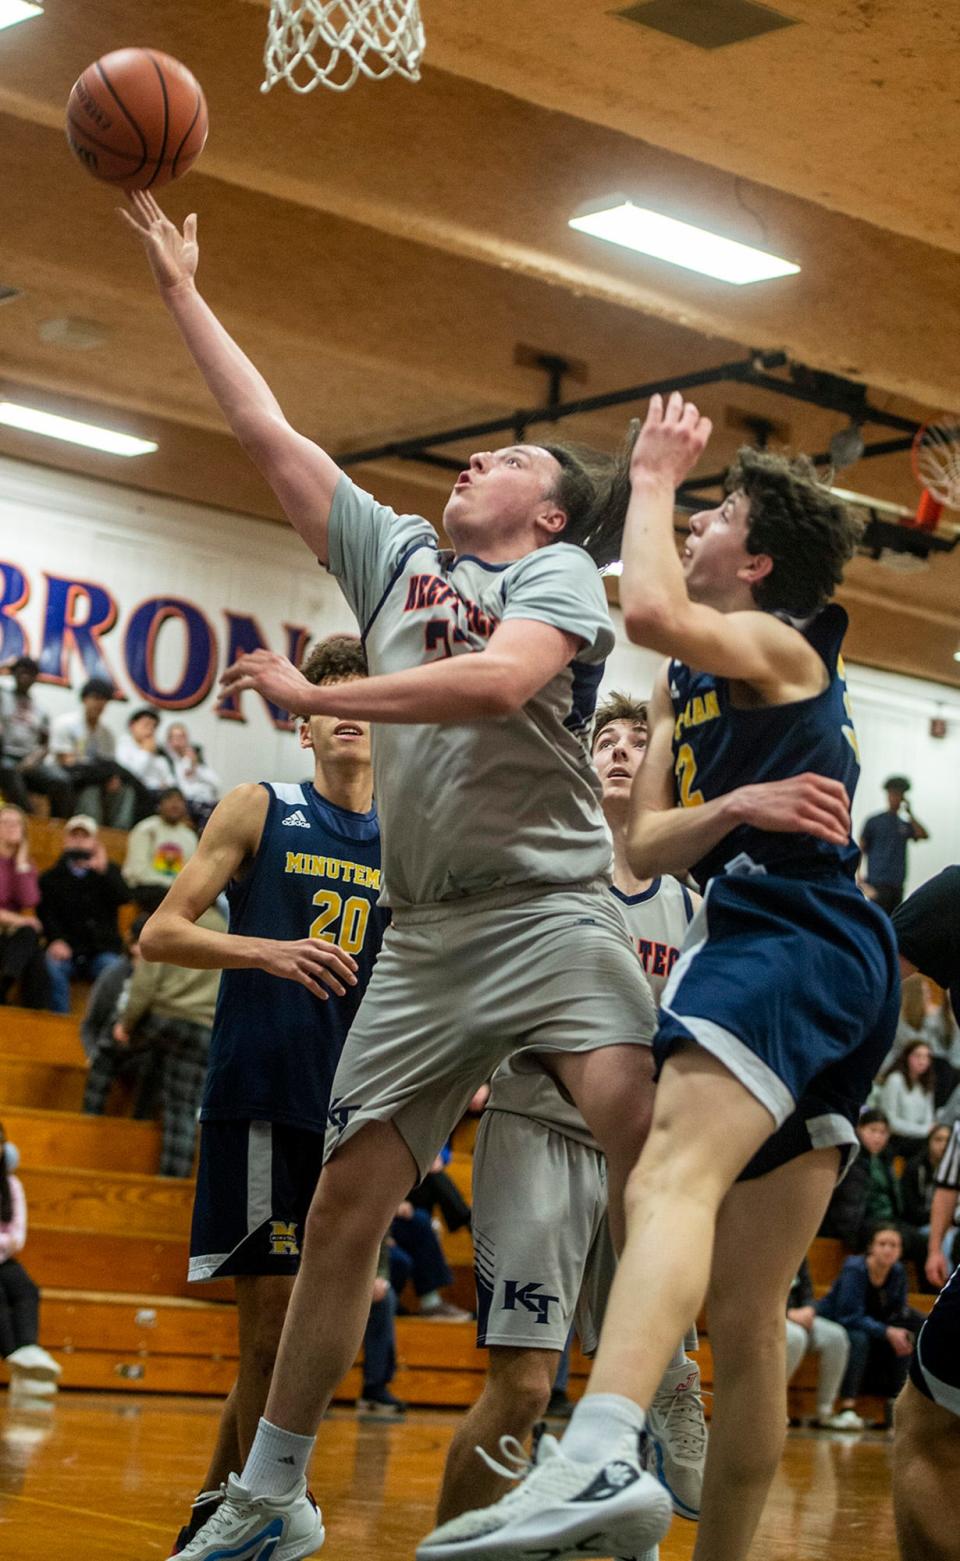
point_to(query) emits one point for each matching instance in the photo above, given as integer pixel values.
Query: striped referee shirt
(948, 1171)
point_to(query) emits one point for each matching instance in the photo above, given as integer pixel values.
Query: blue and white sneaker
(258, 1528)
(676, 1446)
(608, 1507)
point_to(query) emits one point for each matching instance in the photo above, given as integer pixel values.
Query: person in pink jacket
(32, 1369)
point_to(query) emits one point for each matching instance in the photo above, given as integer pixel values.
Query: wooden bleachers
(108, 1246)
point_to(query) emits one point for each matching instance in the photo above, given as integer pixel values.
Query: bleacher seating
(108, 1239)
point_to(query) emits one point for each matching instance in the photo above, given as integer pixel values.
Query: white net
(330, 43)
(936, 461)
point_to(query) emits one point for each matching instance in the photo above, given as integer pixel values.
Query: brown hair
(794, 518)
(334, 659)
(619, 707)
(593, 491)
(925, 1080)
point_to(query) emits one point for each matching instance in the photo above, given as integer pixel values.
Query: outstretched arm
(665, 838)
(229, 841)
(521, 658)
(302, 476)
(750, 646)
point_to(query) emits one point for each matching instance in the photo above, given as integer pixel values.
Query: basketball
(137, 118)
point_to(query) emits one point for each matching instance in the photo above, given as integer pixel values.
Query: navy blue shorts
(935, 1363)
(255, 1181)
(794, 985)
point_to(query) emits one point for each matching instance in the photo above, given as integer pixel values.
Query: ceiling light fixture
(14, 11)
(32, 421)
(619, 221)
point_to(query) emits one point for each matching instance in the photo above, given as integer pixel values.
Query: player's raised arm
(228, 842)
(665, 838)
(301, 474)
(659, 609)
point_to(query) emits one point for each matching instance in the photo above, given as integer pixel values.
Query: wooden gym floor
(112, 1475)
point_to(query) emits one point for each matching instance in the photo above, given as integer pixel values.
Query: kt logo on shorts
(529, 1296)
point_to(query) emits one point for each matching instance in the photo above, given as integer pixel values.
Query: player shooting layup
(777, 1015)
(496, 862)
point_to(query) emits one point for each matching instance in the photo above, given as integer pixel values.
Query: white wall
(138, 546)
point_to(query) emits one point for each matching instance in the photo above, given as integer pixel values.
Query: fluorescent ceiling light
(33, 421)
(14, 11)
(680, 243)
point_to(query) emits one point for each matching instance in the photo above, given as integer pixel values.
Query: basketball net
(936, 466)
(329, 43)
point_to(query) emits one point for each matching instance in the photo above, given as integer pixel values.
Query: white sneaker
(677, 1438)
(34, 1359)
(23, 1384)
(609, 1507)
(846, 1420)
(258, 1528)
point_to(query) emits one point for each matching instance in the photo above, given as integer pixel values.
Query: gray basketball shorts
(542, 1250)
(456, 988)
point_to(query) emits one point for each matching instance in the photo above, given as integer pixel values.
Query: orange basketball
(137, 118)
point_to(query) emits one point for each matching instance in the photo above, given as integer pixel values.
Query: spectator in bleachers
(170, 1009)
(134, 1061)
(919, 1178)
(376, 1402)
(24, 739)
(869, 1193)
(22, 962)
(83, 755)
(144, 762)
(905, 1094)
(869, 1300)
(159, 846)
(418, 1256)
(810, 1334)
(32, 1369)
(79, 900)
(198, 781)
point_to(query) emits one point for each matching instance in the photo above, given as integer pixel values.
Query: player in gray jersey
(484, 667)
(543, 1255)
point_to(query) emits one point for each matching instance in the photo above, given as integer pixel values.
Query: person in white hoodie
(905, 1093)
(32, 1369)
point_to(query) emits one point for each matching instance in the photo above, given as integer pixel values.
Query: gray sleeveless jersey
(489, 805)
(657, 922)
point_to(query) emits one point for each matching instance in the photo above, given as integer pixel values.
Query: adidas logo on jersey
(296, 819)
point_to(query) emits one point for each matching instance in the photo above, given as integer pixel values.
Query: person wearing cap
(883, 841)
(25, 735)
(80, 897)
(143, 761)
(83, 753)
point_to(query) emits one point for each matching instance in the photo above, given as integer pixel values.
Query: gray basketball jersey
(657, 921)
(489, 805)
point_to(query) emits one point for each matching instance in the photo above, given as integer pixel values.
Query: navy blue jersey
(275, 1045)
(718, 747)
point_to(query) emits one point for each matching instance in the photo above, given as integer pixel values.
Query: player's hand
(804, 1315)
(802, 805)
(173, 255)
(936, 1269)
(273, 676)
(901, 1341)
(319, 966)
(671, 441)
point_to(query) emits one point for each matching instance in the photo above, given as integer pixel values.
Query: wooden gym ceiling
(383, 253)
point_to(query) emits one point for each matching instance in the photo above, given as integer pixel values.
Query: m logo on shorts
(529, 1296)
(283, 1238)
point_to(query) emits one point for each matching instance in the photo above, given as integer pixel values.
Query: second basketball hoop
(329, 43)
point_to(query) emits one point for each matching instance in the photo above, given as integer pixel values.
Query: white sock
(278, 1459)
(430, 1300)
(600, 1426)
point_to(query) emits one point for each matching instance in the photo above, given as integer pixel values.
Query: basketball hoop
(329, 43)
(936, 466)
